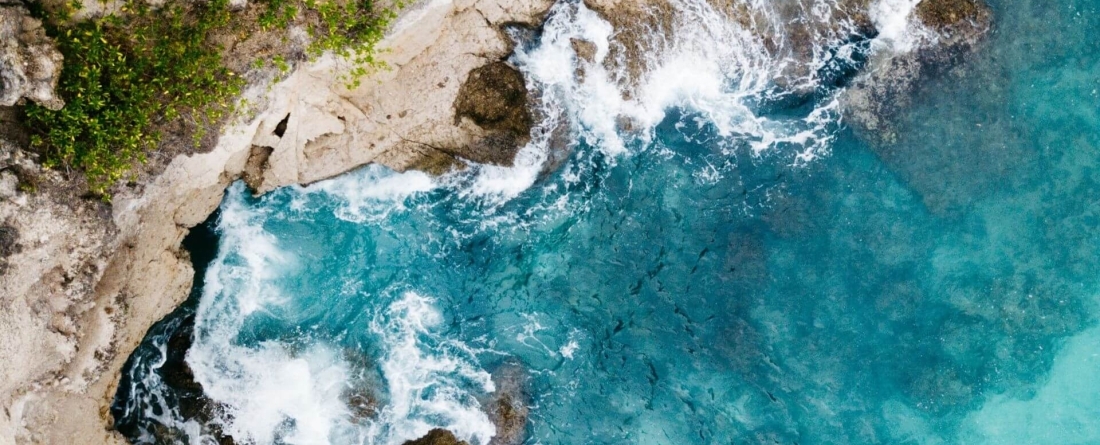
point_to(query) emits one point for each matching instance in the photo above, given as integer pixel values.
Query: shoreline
(137, 268)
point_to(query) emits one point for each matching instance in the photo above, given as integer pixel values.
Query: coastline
(87, 286)
(115, 282)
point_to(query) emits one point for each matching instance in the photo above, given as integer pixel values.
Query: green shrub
(126, 76)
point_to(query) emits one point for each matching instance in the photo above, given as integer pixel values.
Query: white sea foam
(897, 30)
(273, 393)
(372, 193)
(428, 377)
(710, 66)
(268, 391)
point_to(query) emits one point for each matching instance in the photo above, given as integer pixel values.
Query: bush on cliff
(128, 76)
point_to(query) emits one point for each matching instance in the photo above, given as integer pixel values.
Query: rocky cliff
(82, 281)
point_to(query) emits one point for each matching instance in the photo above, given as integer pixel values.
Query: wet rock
(633, 44)
(30, 63)
(942, 15)
(585, 50)
(509, 407)
(494, 97)
(645, 30)
(437, 436)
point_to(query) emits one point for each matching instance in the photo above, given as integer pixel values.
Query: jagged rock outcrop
(645, 30)
(437, 436)
(30, 64)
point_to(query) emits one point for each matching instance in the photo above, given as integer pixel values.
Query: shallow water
(693, 287)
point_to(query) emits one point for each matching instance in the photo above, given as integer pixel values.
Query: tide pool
(687, 288)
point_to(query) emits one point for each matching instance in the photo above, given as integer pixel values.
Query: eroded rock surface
(30, 64)
(437, 436)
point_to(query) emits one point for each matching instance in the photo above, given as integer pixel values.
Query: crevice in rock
(280, 129)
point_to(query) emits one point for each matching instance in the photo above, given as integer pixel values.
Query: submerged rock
(437, 436)
(30, 63)
(585, 50)
(509, 409)
(956, 28)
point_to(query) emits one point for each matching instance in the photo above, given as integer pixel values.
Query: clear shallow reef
(687, 288)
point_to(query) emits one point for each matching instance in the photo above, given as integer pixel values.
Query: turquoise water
(939, 289)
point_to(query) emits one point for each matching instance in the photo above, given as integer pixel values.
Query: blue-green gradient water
(687, 289)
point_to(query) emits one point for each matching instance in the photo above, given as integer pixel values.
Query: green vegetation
(128, 76)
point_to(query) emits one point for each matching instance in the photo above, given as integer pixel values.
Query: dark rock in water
(586, 52)
(494, 97)
(192, 403)
(176, 372)
(508, 408)
(362, 396)
(437, 436)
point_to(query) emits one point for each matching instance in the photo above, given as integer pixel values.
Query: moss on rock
(495, 98)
